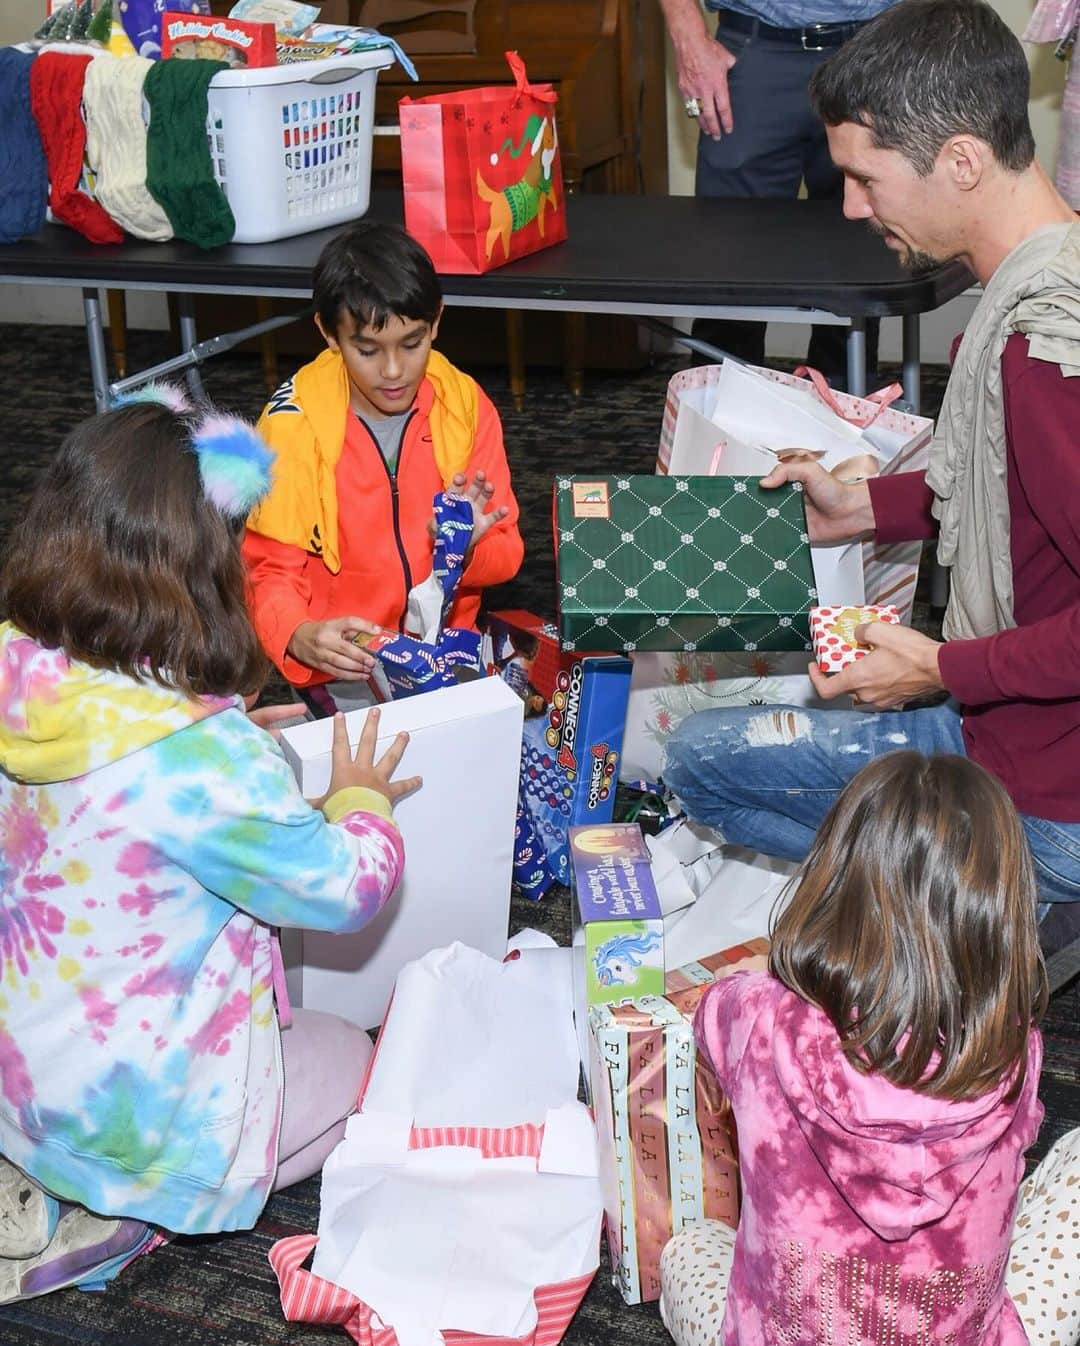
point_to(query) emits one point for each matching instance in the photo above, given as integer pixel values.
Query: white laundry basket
(291, 144)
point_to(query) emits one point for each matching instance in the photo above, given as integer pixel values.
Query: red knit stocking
(56, 85)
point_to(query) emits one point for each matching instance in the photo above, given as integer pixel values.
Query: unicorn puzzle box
(619, 928)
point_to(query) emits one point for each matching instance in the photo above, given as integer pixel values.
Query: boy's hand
(348, 770)
(835, 510)
(329, 647)
(479, 492)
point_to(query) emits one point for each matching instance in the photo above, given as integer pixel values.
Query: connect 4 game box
(575, 710)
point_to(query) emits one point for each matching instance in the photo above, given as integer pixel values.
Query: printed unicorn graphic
(618, 959)
(515, 206)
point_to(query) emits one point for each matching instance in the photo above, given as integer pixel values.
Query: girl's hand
(758, 962)
(361, 769)
(270, 717)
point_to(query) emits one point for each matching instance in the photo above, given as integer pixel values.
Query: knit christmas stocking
(179, 172)
(23, 170)
(56, 87)
(116, 144)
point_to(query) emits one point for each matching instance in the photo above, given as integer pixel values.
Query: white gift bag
(465, 1194)
(458, 830)
(768, 410)
(772, 410)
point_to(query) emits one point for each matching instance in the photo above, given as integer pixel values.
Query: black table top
(621, 250)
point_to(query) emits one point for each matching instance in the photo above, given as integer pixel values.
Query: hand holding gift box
(833, 631)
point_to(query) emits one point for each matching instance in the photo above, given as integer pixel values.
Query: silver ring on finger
(693, 107)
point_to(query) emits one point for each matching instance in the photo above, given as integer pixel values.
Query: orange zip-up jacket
(384, 546)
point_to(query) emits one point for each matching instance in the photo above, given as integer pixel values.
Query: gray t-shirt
(389, 432)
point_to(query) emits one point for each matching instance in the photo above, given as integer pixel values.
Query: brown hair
(913, 927)
(122, 562)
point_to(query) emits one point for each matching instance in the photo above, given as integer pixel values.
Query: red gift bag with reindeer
(481, 173)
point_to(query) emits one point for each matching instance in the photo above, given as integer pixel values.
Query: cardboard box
(668, 1151)
(242, 44)
(617, 910)
(682, 563)
(465, 741)
(575, 713)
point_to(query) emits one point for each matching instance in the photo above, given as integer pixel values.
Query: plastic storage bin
(291, 144)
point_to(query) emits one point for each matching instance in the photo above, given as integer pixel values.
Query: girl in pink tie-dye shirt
(883, 1073)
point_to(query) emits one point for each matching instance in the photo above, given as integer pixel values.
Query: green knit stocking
(179, 173)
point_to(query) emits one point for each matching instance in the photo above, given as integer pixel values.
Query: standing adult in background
(747, 90)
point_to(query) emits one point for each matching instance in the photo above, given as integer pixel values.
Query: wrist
(294, 648)
(685, 23)
(860, 509)
(932, 664)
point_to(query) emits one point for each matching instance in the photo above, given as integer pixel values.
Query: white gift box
(458, 830)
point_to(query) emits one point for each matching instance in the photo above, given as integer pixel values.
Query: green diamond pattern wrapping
(682, 563)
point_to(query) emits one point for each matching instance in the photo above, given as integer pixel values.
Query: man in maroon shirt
(926, 111)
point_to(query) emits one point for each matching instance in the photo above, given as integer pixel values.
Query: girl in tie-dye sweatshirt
(152, 835)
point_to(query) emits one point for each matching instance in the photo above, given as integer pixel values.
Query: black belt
(814, 37)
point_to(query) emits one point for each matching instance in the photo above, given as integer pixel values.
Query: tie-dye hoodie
(148, 842)
(871, 1215)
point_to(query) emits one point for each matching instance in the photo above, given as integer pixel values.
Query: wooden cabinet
(605, 57)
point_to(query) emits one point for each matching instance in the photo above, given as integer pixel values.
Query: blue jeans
(765, 777)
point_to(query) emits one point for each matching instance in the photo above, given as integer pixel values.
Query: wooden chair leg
(575, 353)
(267, 345)
(515, 355)
(117, 306)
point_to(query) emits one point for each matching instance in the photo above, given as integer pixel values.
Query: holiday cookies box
(668, 1151)
(682, 563)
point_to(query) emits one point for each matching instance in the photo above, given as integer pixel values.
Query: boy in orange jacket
(365, 436)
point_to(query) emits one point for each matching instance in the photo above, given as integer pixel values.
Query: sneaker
(28, 1215)
(1059, 937)
(84, 1249)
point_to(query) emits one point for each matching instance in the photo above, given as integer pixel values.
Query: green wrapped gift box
(682, 563)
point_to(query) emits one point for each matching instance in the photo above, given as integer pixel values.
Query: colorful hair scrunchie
(23, 170)
(116, 144)
(56, 88)
(179, 171)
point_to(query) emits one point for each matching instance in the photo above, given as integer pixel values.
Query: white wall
(938, 329)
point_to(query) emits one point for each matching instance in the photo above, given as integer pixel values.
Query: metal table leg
(189, 338)
(95, 339)
(912, 377)
(856, 357)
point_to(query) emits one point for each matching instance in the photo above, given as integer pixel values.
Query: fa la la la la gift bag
(666, 688)
(481, 173)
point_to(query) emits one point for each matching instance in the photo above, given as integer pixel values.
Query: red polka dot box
(832, 630)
